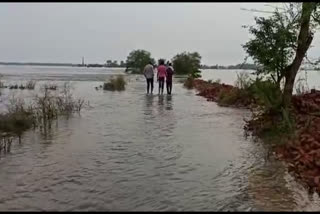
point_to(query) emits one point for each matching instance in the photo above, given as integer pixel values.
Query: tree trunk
(304, 40)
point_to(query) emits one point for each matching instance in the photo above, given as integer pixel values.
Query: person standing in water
(149, 74)
(170, 73)
(161, 75)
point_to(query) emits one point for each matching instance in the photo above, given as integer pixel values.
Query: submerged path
(137, 152)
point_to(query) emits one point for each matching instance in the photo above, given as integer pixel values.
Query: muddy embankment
(301, 152)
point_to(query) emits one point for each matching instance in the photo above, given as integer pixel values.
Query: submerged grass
(41, 111)
(115, 84)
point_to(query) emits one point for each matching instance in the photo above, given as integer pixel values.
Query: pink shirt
(162, 71)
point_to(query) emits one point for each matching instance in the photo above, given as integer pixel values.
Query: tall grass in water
(115, 84)
(41, 111)
(51, 104)
(30, 85)
(1, 82)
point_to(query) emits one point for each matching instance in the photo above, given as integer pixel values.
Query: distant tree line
(115, 64)
(245, 66)
(185, 63)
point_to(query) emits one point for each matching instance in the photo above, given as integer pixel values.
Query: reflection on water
(141, 152)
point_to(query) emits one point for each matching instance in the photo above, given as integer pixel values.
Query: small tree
(137, 60)
(272, 47)
(281, 43)
(187, 63)
(308, 21)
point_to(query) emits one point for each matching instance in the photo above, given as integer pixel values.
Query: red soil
(302, 154)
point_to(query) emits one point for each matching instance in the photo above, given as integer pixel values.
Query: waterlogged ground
(133, 152)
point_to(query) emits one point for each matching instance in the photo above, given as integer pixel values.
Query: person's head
(170, 64)
(161, 62)
(150, 63)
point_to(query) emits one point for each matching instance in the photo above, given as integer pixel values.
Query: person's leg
(170, 86)
(151, 85)
(148, 84)
(167, 84)
(159, 81)
(162, 85)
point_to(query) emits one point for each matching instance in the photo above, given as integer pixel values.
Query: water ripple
(134, 152)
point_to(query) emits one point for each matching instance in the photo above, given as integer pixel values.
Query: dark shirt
(169, 74)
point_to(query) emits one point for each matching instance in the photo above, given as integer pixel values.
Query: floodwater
(136, 152)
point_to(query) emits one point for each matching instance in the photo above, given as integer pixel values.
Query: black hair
(161, 62)
(170, 64)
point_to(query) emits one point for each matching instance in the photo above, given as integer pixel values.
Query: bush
(234, 97)
(243, 80)
(117, 84)
(18, 118)
(187, 63)
(30, 85)
(267, 95)
(301, 86)
(1, 83)
(188, 83)
(51, 86)
(44, 108)
(14, 86)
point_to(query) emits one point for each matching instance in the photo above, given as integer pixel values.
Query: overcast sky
(64, 32)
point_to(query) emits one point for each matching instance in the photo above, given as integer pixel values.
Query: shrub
(1, 83)
(18, 118)
(30, 85)
(14, 86)
(301, 86)
(22, 87)
(117, 84)
(243, 80)
(45, 107)
(188, 83)
(51, 86)
(267, 95)
(234, 97)
(66, 102)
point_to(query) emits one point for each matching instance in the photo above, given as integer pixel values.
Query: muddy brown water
(133, 152)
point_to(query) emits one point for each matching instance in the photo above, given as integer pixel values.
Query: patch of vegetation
(234, 97)
(30, 85)
(187, 63)
(115, 84)
(1, 82)
(51, 86)
(188, 83)
(15, 86)
(137, 60)
(44, 108)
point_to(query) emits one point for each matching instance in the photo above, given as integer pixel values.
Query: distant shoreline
(203, 67)
(57, 64)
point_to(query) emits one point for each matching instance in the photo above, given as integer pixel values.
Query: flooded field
(136, 152)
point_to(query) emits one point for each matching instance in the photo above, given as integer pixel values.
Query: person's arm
(157, 74)
(144, 72)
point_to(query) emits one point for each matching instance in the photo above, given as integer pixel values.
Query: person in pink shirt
(161, 75)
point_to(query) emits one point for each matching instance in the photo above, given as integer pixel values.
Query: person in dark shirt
(170, 73)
